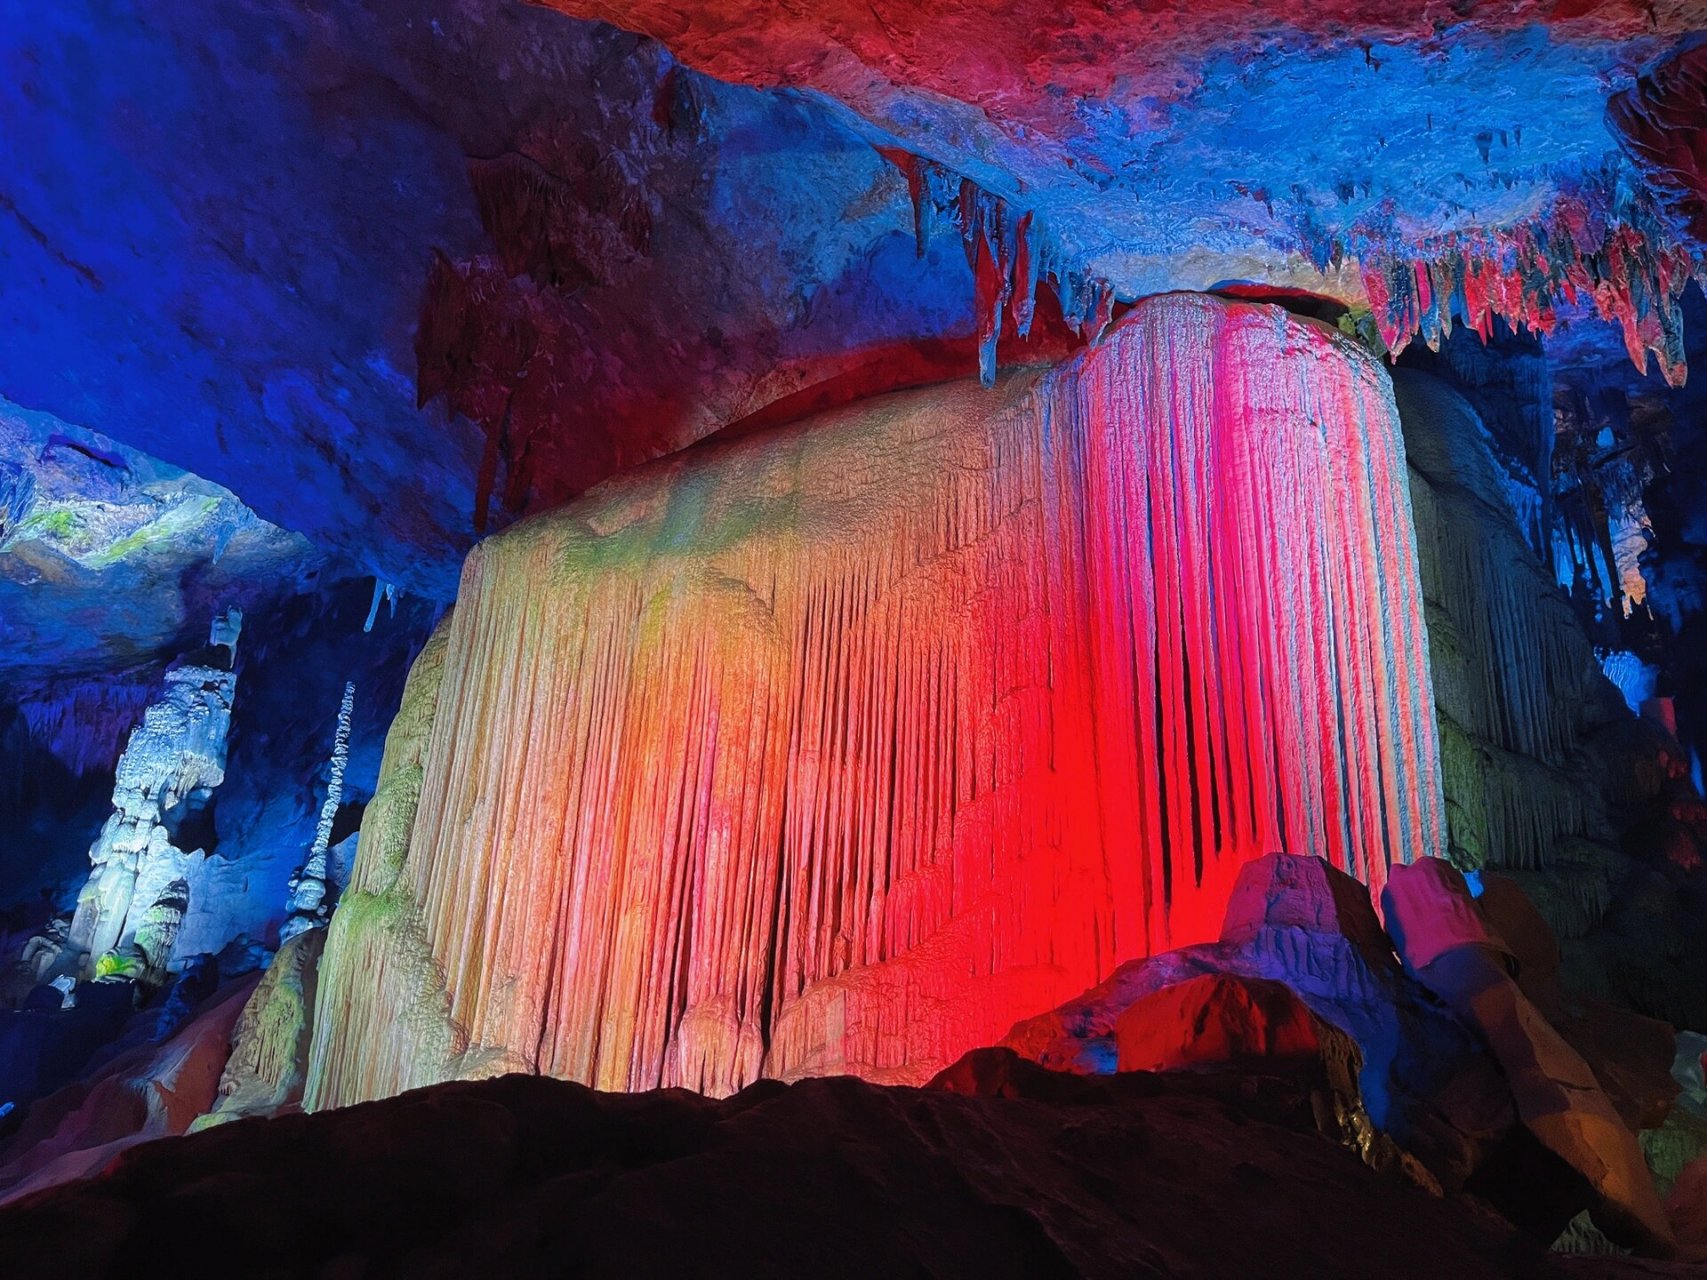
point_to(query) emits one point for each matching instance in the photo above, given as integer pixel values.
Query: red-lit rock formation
(1423, 1084)
(1536, 1118)
(1219, 1020)
(1662, 121)
(841, 747)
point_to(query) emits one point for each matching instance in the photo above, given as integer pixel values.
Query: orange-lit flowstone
(840, 747)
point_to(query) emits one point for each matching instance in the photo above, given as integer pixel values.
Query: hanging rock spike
(1009, 256)
(1523, 274)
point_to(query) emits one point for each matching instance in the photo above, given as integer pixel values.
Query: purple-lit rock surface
(1303, 963)
(1299, 921)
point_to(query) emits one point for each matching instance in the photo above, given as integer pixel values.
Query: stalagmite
(129, 911)
(269, 1044)
(310, 887)
(841, 747)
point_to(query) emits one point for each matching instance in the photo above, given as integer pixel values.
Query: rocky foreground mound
(1031, 1173)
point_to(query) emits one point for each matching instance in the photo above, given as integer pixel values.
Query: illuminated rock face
(130, 908)
(842, 747)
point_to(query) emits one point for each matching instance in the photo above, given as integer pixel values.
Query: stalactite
(1621, 260)
(1010, 253)
(1605, 464)
(841, 747)
(1511, 618)
(386, 591)
(1606, 246)
(311, 888)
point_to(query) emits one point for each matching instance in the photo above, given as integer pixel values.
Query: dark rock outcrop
(1037, 1174)
(1424, 1081)
(153, 1088)
(1460, 1079)
(1447, 944)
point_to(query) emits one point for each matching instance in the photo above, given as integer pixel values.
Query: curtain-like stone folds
(841, 747)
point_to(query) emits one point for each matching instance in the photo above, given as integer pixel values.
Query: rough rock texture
(1220, 1022)
(1422, 1079)
(1547, 776)
(1632, 1055)
(1219, 1019)
(109, 557)
(1043, 1175)
(841, 747)
(1515, 680)
(131, 908)
(1418, 1090)
(1677, 1149)
(224, 221)
(268, 1065)
(1662, 119)
(1687, 1208)
(44, 1044)
(149, 1091)
(1307, 894)
(1689, 1070)
(1096, 124)
(1557, 1095)
(230, 218)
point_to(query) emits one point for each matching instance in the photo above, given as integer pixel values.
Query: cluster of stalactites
(1513, 676)
(1619, 263)
(1599, 542)
(311, 887)
(1009, 253)
(1605, 463)
(1612, 253)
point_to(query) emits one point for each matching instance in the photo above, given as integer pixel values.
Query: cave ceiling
(393, 271)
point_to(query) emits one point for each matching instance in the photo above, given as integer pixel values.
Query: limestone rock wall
(1547, 775)
(839, 748)
(1515, 680)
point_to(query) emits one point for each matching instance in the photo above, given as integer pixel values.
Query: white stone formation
(310, 888)
(130, 909)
